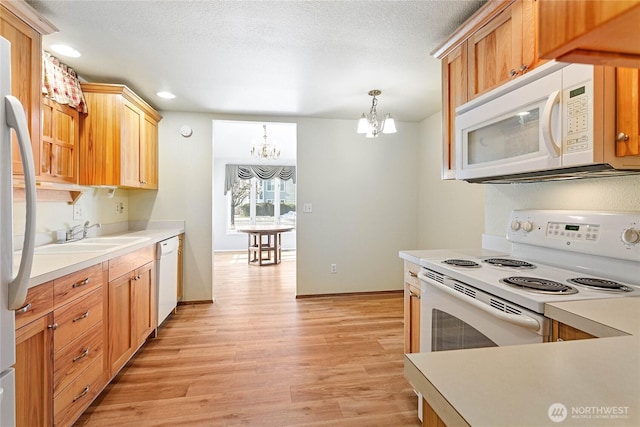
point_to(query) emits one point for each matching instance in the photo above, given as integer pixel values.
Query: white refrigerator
(13, 288)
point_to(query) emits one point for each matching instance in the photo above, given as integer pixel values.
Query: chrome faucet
(87, 227)
(70, 235)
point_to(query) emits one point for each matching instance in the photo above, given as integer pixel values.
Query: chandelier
(369, 124)
(265, 150)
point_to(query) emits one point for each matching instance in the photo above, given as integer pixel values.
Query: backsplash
(96, 207)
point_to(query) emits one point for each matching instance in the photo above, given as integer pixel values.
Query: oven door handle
(515, 319)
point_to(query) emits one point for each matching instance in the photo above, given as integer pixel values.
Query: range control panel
(610, 234)
(573, 231)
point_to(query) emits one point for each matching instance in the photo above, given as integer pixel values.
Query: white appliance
(13, 290)
(167, 256)
(483, 299)
(552, 123)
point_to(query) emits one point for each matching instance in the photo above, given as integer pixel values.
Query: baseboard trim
(204, 301)
(346, 294)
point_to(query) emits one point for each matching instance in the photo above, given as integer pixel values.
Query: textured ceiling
(286, 58)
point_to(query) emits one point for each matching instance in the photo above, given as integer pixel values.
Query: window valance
(61, 83)
(233, 173)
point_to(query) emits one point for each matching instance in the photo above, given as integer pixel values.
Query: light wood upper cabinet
(454, 94)
(503, 49)
(494, 46)
(590, 32)
(60, 133)
(119, 138)
(627, 114)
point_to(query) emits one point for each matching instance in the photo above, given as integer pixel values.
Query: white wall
(364, 195)
(451, 212)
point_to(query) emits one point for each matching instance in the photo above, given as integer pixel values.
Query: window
(251, 202)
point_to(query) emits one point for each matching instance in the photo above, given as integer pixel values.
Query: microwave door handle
(547, 134)
(17, 120)
(515, 319)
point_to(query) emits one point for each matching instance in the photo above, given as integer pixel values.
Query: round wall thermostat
(186, 131)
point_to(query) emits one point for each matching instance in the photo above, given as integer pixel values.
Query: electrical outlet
(334, 268)
(120, 207)
(77, 212)
(307, 207)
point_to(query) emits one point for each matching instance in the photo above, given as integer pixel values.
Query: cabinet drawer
(411, 271)
(75, 357)
(74, 399)
(76, 284)
(129, 262)
(76, 318)
(38, 303)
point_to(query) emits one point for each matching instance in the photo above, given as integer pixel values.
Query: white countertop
(597, 380)
(50, 266)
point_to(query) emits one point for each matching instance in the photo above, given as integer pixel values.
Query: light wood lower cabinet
(563, 332)
(132, 305)
(33, 368)
(411, 308)
(76, 332)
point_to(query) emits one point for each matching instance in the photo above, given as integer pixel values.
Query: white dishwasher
(167, 277)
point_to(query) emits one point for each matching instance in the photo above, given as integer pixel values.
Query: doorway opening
(251, 191)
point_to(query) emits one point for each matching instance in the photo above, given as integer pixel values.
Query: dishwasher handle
(166, 247)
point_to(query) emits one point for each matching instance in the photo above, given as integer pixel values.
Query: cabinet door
(120, 340)
(149, 154)
(26, 70)
(34, 373)
(564, 332)
(627, 112)
(59, 156)
(590, 32)
(503, 49)
(130, 145)
(144, 307)
(454, 94)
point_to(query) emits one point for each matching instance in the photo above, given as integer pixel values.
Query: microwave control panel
(577, 122)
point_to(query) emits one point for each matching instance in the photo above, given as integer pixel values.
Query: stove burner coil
(600, 284)
(542, 286)
(467, 263)
(513, 263)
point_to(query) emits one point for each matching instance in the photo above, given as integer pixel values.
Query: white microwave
(548, 124)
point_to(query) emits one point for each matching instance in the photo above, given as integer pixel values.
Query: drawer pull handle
(53, 327)
(24, 308)
(412, 295)
(81, 283)
(412, 274)
(84, 316)
(84, 354)
(84, 393)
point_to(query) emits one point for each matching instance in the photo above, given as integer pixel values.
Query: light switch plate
(307, 207)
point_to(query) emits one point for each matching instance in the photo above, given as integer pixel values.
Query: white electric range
(480, 298)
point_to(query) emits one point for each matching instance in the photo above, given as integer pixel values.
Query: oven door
(454, 319)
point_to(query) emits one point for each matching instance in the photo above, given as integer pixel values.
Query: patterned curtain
(61, 84)
(233, 173)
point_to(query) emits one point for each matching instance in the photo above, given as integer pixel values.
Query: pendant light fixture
(265, 150)
(369, 124)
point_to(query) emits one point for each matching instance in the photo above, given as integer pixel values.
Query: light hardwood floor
(260, 357)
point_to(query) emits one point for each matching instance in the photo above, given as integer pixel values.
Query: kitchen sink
(75, 248)
(91, 244)
(115, 240)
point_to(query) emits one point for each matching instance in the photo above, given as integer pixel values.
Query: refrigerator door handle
(17, 120)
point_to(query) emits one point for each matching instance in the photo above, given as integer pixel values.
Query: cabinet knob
(524, 68)
(412, 274)
(513, 72)
(53, 327)
(622, 137)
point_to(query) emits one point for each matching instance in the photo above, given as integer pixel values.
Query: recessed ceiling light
(65, 50)
(166, 95)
